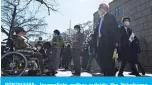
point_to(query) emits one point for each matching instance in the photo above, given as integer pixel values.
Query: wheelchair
(19, 62)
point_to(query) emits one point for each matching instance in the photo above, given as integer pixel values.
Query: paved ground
(69, 73)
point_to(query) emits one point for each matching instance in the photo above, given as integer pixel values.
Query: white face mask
(76, 30)
(54, 35)
(39, 48)
(126, 23)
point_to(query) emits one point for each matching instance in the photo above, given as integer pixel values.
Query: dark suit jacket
(108, 31)
(129, 49)
(125, 43)
(106, 42)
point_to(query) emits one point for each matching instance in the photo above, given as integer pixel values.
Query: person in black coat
(135, 49)
(51, 60)
(67, 57)
(128, 48)
(106, 38)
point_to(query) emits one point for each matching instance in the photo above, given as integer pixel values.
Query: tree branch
(47, 5)
(4, 31)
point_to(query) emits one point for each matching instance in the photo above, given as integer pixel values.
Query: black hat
(47, 45)
(40, 38)
(77, 27)
(125, 18)
(19, 29)
(38, 44)
(57, 32)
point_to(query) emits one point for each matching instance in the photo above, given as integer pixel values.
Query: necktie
(45, 51)
(99, 29)
(127, 32)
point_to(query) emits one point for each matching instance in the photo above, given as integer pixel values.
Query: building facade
(140, 12)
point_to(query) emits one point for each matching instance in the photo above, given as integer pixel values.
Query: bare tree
(86, 28)
(16, 13)
(51, 6)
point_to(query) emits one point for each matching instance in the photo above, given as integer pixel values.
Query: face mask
(54, 35)
(75, 30)
(127, 23)
(39, 48)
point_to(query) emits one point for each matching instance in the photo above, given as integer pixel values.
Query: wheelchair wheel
(13, 64)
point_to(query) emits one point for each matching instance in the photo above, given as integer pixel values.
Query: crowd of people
(106, 37)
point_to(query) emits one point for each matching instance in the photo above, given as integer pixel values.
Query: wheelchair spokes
(13, 63)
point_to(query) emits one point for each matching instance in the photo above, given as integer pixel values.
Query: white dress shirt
(100, 25)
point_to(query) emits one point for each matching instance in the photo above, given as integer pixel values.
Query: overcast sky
(78, 11)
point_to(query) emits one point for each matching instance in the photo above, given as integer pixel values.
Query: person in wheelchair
(20, 44)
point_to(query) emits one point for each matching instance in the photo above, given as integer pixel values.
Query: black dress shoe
(50, 73)
(143, 73)
(32, 73)
(76, 74)
(136, 74)
(132, 73)
(121, 75)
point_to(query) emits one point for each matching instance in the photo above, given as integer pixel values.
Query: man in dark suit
(128, 47)
(105, 35)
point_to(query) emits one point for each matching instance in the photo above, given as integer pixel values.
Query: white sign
(131, 37)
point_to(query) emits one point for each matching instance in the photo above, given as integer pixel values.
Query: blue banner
(76, 80)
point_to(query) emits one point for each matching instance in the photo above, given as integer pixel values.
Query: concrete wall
(140, 12)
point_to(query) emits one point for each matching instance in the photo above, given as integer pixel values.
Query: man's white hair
(104, 6)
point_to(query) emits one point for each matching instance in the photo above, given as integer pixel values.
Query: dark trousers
(140, 67)
(66, 62)
(106, 61)
(85, 59)
(91, 57)
(76, 60)
(132, 66)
